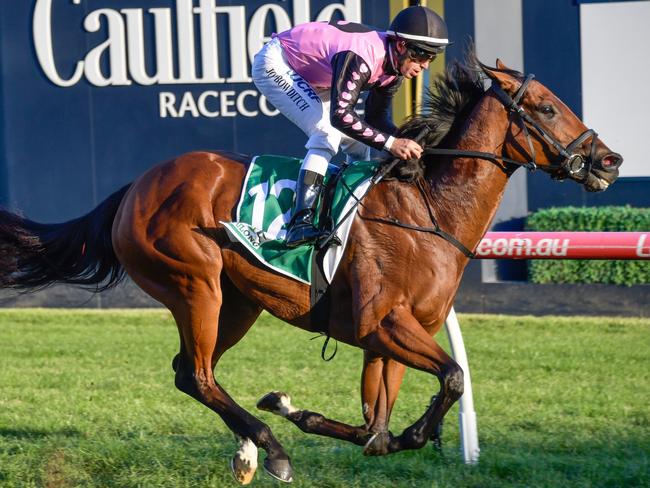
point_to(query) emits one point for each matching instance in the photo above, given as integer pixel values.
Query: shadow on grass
(614, 462)
(151, 459)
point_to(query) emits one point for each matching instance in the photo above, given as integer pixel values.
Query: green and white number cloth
(265, 208)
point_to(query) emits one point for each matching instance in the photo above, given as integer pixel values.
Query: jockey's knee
(324, 140)
(355, 150)
(317, 160)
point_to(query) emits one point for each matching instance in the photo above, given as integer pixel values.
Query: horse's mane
(453, 95)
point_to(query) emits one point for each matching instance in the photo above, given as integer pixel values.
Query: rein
(435, 230)
(573, 165)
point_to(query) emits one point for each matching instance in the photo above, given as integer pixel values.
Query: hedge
(586, 271)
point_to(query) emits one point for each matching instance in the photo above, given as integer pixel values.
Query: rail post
(466, 413)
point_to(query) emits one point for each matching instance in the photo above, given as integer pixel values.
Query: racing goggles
(420, 55)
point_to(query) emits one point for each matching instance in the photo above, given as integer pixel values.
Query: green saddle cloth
(265, 207)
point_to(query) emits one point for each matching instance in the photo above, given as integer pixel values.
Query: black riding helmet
(420, 27)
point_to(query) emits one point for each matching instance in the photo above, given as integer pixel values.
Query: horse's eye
(547, 110)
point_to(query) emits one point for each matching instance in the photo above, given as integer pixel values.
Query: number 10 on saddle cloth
(265, 206)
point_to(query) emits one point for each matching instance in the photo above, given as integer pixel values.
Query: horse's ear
(501, 65)
(508, 82)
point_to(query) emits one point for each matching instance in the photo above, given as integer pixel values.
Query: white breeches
(306, 107)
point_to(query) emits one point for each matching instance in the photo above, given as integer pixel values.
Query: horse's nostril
(611, 161)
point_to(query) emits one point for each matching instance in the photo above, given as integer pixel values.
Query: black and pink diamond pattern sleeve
(350, 76)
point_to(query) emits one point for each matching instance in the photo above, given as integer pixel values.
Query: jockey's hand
(406, 149)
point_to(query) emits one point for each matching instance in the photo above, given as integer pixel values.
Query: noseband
(573, 165)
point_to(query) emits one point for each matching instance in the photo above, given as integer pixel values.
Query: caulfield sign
(183, 45)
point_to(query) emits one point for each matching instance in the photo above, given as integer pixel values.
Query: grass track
(87, 399)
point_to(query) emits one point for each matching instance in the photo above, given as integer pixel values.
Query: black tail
(78, 252)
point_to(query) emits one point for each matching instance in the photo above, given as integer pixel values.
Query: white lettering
(226, 103)
(301, 12)
(135, 43)
(114, 44)
(209, 51)
(241, 104)
(640, 251)
(519, 246)
(203, 109)
(206, 104)
(237, 28)
(42, 34)
(275, 230)
(164, 56)
(188, 104)
(560, 249)
(126, 40)
(186, 54)
(350, 10)
(256, 35)
(259, 192)
(484, 247)
(544, 247)
(166, 102)
(500, 247)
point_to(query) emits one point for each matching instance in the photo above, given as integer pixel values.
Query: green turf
(87, 399)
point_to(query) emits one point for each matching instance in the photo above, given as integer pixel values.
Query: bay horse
(393, 289)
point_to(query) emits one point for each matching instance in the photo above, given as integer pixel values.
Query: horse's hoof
(276, 402)
(377, 445)
(280, 469)
(244, 462)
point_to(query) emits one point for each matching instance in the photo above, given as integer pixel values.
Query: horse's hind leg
(312, 422)
(197, 314)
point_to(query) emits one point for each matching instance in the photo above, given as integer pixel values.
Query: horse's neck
(467, 191)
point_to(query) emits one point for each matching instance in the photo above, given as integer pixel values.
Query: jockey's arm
(377, 108)
(350, 74)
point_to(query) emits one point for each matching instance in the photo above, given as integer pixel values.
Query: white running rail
(466, 415)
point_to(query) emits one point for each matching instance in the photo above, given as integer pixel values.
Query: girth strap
(435, 229)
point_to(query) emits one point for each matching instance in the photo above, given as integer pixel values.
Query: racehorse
(396, 282)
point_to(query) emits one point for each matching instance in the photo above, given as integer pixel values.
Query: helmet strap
(393, 56)
(399, 58)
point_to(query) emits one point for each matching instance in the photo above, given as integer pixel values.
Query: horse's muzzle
(611, 161)
(603, 172)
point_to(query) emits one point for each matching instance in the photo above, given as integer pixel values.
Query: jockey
(314, 74)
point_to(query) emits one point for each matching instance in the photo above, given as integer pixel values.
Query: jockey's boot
(301, 227)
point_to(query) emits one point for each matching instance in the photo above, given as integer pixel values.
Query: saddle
(264, 210)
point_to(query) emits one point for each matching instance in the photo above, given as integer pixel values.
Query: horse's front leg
(380, 383)
(401, 337)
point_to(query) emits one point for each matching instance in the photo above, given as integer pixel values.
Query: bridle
(573, 165)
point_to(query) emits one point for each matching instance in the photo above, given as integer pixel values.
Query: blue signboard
(94, 92)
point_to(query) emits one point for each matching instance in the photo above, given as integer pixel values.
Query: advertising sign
(94, 92)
